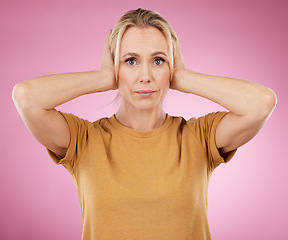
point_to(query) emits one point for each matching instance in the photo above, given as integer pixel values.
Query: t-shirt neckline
(142, 134)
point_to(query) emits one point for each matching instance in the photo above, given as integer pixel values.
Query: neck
(141, 120)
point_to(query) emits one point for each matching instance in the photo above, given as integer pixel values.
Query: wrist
(107, 77)
(180, 76)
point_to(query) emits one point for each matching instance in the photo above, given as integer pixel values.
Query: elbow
(21, 95)
(267, 103)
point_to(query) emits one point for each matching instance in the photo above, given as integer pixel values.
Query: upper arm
(48, 127)
(233, 131)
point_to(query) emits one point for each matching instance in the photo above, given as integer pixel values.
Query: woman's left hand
(244, 120)
(179, 69)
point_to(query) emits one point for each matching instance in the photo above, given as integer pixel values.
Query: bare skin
(36, 99)
(249, 104)
(143, 67)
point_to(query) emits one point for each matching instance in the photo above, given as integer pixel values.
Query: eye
(158, 61)
(131, 61)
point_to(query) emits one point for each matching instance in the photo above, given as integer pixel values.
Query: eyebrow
(137, 55)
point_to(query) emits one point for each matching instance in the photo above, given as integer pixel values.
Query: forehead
(137, 40)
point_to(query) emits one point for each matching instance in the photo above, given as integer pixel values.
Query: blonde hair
(141, 18)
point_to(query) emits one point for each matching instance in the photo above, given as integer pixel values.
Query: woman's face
(143, 68)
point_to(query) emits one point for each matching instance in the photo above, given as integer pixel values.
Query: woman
(143, 174)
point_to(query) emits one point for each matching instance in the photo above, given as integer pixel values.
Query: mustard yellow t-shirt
(135, 185)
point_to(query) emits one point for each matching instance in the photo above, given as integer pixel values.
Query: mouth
(145, 93)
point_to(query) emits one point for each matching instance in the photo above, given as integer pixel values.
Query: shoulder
(75, 120)
(204, 126)
(103, 123)
(207, 120)
(201, 121)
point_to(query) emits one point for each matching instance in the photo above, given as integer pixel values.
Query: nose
(145, 73)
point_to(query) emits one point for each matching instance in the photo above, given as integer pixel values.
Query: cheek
(121, 75)
(124, 81)
(165, 79)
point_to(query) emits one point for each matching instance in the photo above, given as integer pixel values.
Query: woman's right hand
(107, 64)
(36, 99)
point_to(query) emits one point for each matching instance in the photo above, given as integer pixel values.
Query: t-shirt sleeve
(204, 128)
(78, 128)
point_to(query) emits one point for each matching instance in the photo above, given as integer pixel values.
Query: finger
(108, 34)
(179, 62)
(106, 44)
(106, 56)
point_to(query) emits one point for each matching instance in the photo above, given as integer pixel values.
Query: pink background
(244, 39)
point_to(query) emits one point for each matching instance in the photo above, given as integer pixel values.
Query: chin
(148, 106)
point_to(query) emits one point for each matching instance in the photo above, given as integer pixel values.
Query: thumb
(106, 43)
(106, 56)
(179, 62)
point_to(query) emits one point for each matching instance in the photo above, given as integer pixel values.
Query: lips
(145, 93)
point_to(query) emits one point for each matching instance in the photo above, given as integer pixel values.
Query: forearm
(238, 96)
(49, 91)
